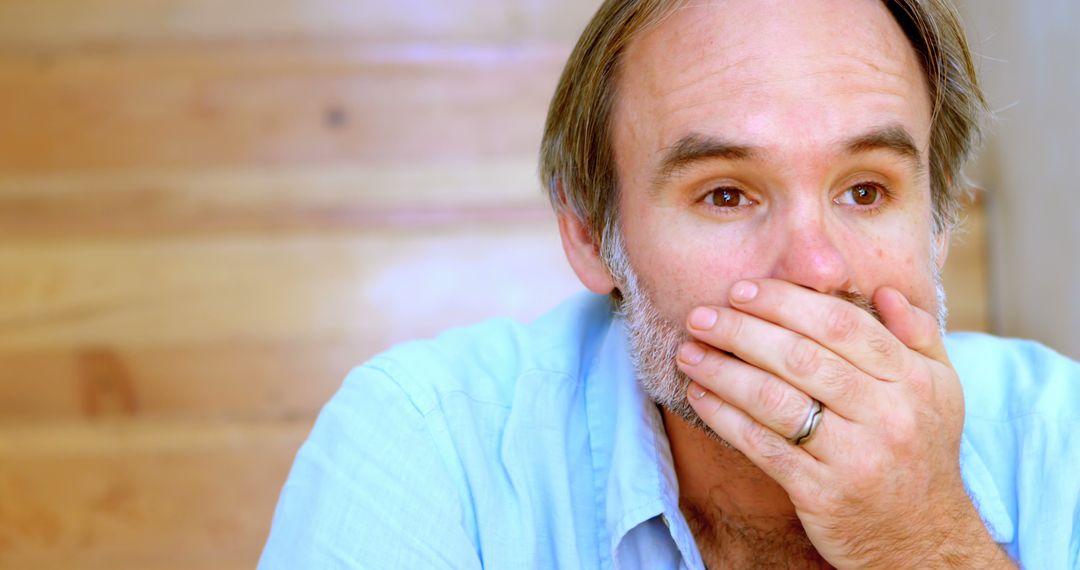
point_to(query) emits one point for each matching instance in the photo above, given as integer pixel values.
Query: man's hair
(576, 155)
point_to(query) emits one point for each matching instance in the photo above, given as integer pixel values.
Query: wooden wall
(210, 211)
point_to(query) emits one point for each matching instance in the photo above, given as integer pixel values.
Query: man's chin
(654, 342)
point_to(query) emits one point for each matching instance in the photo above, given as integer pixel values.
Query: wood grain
(329, 197)
(266, 105)
(140, 494)
(244, 379)
(377, 286)
(247, 325)
(67, 24)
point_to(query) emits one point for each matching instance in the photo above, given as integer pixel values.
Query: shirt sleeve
(368, 489)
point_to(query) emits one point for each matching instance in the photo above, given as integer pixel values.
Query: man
(765, 189)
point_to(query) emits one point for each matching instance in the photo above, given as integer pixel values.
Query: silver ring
(813, 419)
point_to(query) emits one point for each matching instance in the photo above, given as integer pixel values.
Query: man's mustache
(859, 300)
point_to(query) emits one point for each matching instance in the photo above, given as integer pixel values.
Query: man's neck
(739, 516)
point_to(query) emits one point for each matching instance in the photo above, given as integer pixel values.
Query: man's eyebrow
(892, 138)
(696, 147)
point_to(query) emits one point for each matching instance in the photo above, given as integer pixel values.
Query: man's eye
(861, 195)
(727, 198)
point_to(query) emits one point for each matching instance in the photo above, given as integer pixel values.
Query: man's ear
(581, 250)
(941, 246)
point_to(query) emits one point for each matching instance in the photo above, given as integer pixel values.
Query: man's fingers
(786, 464)
(917, 329)
(786, 355)
(851, 332)
(764, 397)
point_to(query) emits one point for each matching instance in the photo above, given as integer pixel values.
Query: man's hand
(879, 482)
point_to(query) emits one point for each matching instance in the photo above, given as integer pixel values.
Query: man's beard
(655, 340)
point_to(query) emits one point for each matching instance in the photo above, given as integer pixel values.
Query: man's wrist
(969, 545)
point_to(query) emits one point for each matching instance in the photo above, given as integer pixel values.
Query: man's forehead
(741, 32)
(737, 60)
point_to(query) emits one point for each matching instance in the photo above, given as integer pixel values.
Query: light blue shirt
(511, 446)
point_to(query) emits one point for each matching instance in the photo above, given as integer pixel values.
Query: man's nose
(810, 255)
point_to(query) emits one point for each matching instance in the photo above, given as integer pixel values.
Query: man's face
(770, 139)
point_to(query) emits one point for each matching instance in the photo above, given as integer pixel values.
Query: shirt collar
(631, 455)
(977, 476)
(984, 493)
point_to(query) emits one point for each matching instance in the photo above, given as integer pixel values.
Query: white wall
(1029, 59)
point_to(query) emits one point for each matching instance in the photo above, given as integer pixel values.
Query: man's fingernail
(691, 353)
(695, 390)
(703, 318)
(744, 291)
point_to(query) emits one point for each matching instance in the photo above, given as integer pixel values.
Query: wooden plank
(238, 380)
(378, 287)
(272, 105)
(271, 199)
(140, 494)
(246, 325)
(65, 24)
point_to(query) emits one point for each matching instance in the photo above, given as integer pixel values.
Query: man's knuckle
(886, 350)
(881, 346)
(921, 382)
(729, 325)
(770, 396)
(921, 388)
(831, 494)
(803, 357)
(901, 425)
(756, 436)
(780, 402)
(770, 447)
(842, 322)
(839, 379)
(714, 364)
(713, 410)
